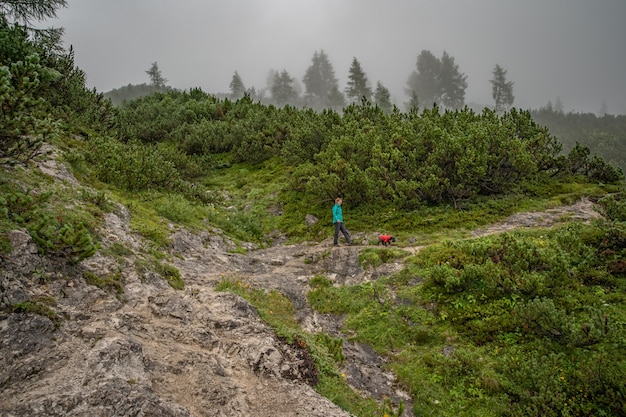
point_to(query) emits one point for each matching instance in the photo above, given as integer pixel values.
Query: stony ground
(159, 352)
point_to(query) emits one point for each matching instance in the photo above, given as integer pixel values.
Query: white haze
(568, 50)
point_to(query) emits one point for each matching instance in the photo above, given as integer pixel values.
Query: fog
(568, 50)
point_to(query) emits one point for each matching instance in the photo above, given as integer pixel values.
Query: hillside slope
(154, 350)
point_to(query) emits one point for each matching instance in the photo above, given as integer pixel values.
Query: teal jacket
(337, 214)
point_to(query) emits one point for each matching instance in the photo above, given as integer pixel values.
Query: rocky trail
(155, 351)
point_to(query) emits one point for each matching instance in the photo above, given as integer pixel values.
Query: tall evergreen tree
(437, 81)
(24, 11)
(335, 99)
(156, 78)
(357, 87)
(382, 98)
(558, 105)
(501, 89)
(282, 89)
(321, 85)
(452, 83)
(414, 102)
(237, 88)
(425, 81)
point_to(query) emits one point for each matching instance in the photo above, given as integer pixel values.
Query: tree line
(434, 81)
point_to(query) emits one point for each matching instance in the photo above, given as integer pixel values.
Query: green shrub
(178, 209)
(24, 124)
(132, 166)
(59, 238)
(614, 206)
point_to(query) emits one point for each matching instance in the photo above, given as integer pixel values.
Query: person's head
(338, 200)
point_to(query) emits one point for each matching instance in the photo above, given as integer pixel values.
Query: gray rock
(310, 220)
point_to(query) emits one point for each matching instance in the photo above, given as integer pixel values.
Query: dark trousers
(340, 226)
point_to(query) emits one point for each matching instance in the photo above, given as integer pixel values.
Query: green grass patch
(110, 283)
(371, 258)
(168, 272)
(39, 307)
(145, 221)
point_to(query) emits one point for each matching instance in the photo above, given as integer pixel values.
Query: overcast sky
(571, 49)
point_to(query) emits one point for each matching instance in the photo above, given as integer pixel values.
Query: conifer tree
(24, 11)
(237, 88)
(437, 81)
(452, 83)
(282, 88)
(156, 78)
(501, 89)
(424, 81)
(357, 83)
(321, 85)
(382, 97)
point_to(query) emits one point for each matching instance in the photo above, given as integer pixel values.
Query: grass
(168, 272)
(110, 283)
(41, 308)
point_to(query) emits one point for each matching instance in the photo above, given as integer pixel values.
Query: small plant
(98, 198)
(111, 283)
(320, 281)
(171, 274)
(334, 345)
(389, 410)
(118, 250)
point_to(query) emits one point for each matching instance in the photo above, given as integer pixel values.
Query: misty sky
(571, 49)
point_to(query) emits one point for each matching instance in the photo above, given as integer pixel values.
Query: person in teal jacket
(339, 224)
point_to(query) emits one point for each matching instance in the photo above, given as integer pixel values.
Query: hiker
(338, 222)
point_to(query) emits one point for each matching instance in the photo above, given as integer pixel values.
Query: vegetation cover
(525, 323)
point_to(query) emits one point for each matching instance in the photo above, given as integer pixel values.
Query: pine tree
(501, 89)
(24, 11)
(413, 103)
(452, 83)
(382, 98)
(282, 88)
(156, 78)
(237, 88)
(437, 81)
(425, 80)
(321, 85)
(357, 83)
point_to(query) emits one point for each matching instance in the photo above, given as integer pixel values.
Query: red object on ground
(385, 238)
